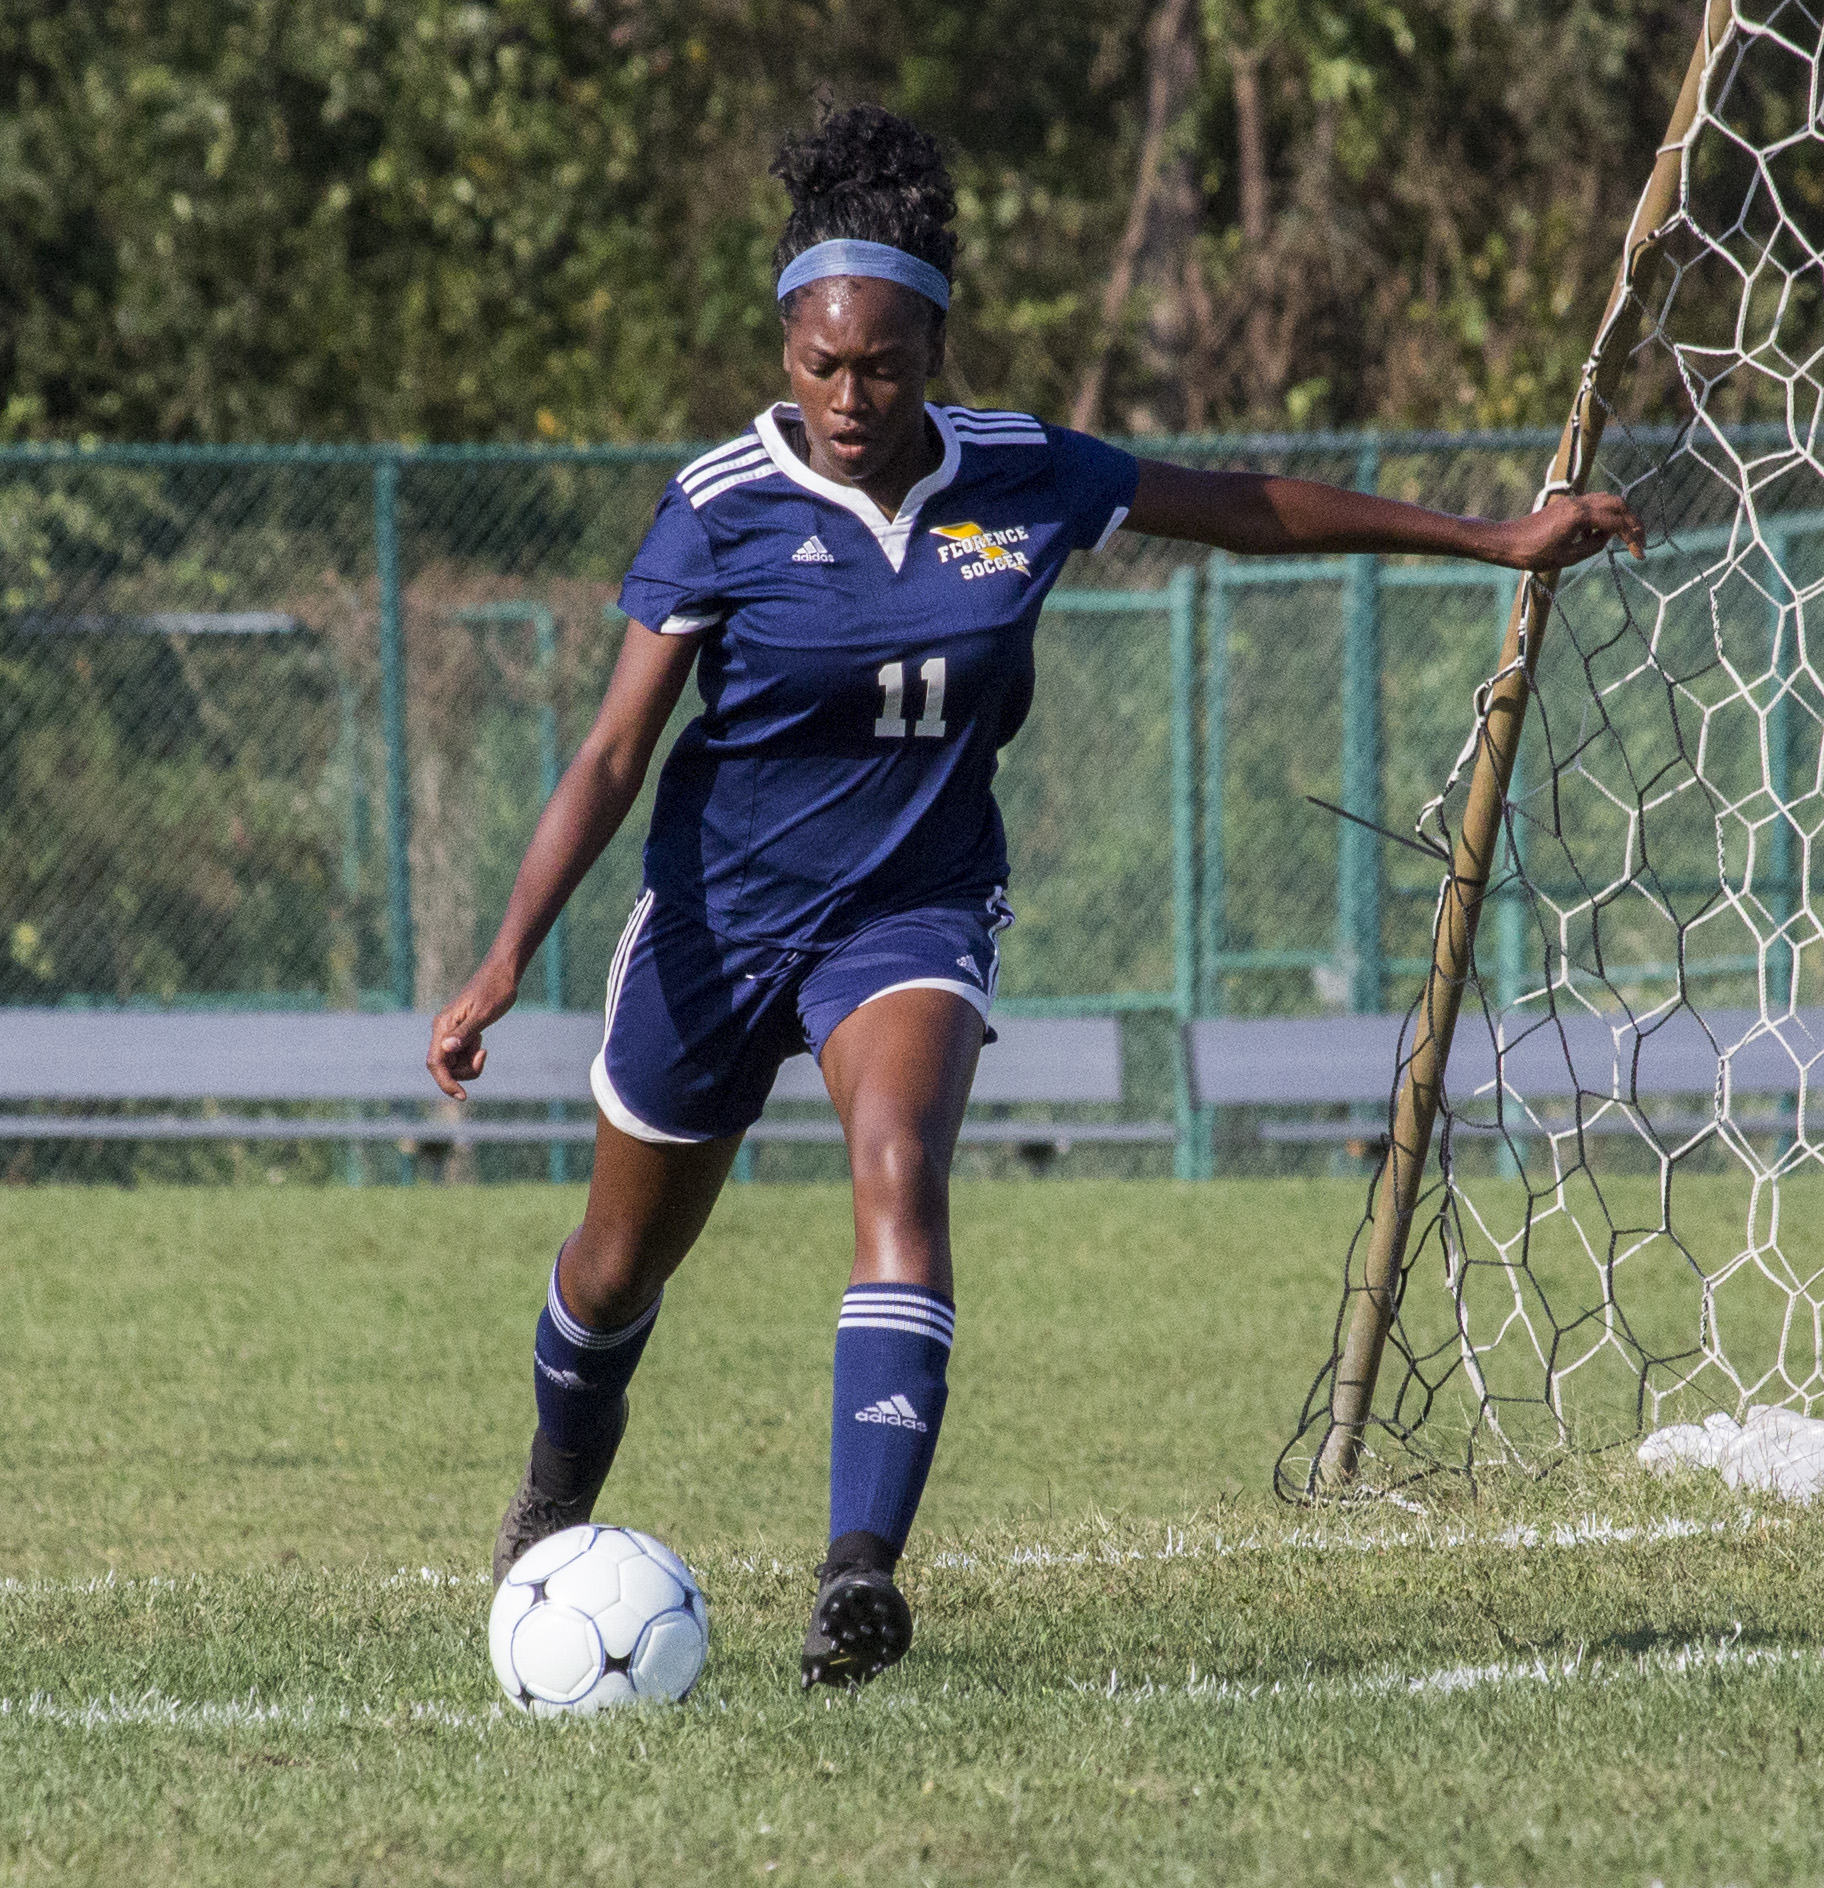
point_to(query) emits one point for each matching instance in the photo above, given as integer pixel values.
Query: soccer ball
(595, 1617)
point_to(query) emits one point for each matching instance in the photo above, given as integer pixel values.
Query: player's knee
(899, 1171)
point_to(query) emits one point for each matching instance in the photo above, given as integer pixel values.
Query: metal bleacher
(1554, 1061)
(207, 1071)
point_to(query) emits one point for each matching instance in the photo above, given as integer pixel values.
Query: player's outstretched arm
(580, 818)
(1258, 514)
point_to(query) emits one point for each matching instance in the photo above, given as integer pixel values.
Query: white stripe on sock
(585, 1337)
(903, 1307)
(932, 1331)
(899, 1295)
(900, 1304)
(889, 1320)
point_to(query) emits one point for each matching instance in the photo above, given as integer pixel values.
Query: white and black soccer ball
(596, 1617)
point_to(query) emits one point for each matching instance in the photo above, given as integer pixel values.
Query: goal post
(1370, 1307)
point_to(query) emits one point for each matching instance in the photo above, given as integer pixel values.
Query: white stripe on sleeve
(1117, 519)
(733, 462)
(716, 454)
(703, 494)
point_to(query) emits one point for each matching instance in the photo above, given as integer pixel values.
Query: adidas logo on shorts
(895, 1411)
(812, 551)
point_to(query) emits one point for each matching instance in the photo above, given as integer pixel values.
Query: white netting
(1627, 1221)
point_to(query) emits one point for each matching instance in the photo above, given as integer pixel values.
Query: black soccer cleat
(860, 1625)
(536, 1512)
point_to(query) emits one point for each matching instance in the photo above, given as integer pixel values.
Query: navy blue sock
(892, 1346)
(578, 1374)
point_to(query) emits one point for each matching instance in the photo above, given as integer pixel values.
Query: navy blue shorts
(697, 1025)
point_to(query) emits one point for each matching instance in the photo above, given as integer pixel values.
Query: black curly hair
(868, 175)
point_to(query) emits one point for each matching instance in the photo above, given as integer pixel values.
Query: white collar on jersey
(891, 534)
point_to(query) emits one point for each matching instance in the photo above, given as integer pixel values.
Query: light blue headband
(849, 257)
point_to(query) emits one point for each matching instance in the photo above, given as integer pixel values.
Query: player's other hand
(456, 1053)
(1569, 529)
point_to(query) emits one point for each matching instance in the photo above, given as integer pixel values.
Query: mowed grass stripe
(242, 1604)
(1176, 1541)
(1132, 1598)
(1698, 1664)
(200, 1379)
(1504, 1782)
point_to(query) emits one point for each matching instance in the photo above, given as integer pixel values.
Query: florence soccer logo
(980, 553)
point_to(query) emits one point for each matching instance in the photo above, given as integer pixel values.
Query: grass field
(257, 1442)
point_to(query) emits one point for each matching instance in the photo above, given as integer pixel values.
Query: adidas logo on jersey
(895, 1411)
(812, 551)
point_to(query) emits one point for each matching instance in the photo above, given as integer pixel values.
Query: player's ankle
(859, 1548)
(567, 1475)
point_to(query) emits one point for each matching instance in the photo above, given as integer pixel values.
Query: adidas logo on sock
(811, 551)
(895, 1411)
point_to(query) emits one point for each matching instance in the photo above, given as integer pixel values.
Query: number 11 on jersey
(890, 725)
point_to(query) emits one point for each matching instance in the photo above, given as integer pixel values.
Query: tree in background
(1370, 212)
(412, 218)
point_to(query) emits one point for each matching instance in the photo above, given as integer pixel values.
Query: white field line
(155, 1710)
(1671, 1665)
(1588, 1530)
(111, 1582)
(1181, 1544)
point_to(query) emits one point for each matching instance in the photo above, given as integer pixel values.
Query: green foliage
(167, 843)
(433, 220)
(234, 219)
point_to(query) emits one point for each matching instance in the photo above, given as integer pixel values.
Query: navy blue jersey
(858, 673)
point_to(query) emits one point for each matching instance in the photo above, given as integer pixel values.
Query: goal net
(1621, 1222)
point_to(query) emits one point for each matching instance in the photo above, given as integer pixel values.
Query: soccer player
(855, 581)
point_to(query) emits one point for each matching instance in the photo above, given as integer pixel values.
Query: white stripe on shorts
(600, 1086)
(980, 1000)
(1000, 916)
(1116, 519)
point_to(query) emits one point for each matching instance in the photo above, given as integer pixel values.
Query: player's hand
(456, 1054)
(1569, 529)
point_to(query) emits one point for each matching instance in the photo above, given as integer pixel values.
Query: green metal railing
(1178, 600)
(544, 630)
(236, 641)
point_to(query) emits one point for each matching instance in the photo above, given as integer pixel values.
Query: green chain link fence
(276, 722)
